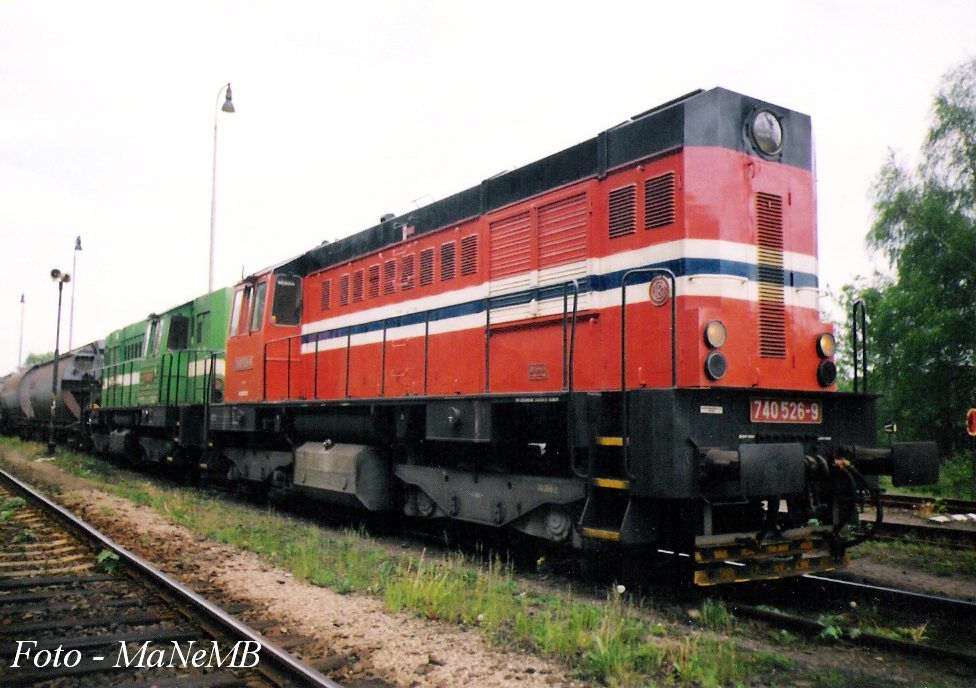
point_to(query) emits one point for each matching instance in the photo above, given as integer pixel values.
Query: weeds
(609, 642)
(715, 616)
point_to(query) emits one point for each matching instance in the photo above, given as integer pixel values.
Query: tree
(923, 316)
(33, 359)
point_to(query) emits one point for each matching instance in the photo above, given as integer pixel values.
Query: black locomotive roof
(702, 118)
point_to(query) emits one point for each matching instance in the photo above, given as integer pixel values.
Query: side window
(199, 332)
(257, 311)
(286, 301)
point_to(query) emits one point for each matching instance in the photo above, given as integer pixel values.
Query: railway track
(77, 609)
(919, 503)
(961, 535)
(807, 596)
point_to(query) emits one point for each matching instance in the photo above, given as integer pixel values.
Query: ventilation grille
(426, 267)
(389, 276)
(448, 252)
(511, 246)
(373, 277)
(469, 254)
(562, 231)
(344, 290)
(623, 211)
(406, 271)
(659, 201)
(325, 295)
(357, 285)
(769, 268)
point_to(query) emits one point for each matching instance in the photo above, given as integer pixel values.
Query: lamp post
(20, 349)
(228, 106)
(60, 278)
(74, 288)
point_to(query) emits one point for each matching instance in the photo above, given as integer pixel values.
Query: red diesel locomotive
(618, 345)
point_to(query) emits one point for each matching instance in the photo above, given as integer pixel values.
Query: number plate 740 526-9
(784, 411)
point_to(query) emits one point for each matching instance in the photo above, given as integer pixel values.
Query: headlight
(767, 133)
(826, 373)
(826, 346)
(715, 334)
(715, 365)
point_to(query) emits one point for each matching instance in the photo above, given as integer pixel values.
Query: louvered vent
(344, 290)
(769, 268)
(406, 271)
(389, 276)
(659, 201)
(469, 254)
(510, 246)
(325, 295)
(357, 285)
(623, 211)
(373, 278)
(562, 231)
(426, 267)
(448, 267)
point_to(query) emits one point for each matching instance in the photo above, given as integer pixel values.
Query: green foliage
(33, 359)
(715, 616)
(108, 560)
(10, 506)
(923, 316)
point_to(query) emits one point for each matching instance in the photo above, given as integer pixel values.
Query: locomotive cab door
(262, 345)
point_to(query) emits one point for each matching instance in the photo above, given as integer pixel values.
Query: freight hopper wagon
(618, 345)
(160, 377)
(25, 395)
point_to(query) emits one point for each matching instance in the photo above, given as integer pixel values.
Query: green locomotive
(159, 377)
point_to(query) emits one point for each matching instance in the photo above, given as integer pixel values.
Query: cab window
(153, 332)
(258, 309)
(238, 317)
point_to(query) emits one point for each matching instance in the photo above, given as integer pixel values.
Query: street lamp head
(228, 105)
(78, 243)
(55, 274)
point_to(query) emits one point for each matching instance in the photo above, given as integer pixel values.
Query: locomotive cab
(263, 355)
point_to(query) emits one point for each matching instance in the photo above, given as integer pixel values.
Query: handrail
(568, 355)
(855, 307)
(625, 436)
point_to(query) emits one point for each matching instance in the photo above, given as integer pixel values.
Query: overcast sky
(346, 111)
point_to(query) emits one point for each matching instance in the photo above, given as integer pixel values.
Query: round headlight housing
(767, 132)
(826, 373)
(715, 334)
(715, 365)
(826, 345)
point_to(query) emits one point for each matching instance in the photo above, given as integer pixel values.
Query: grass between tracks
(933, 558)
(611, 642)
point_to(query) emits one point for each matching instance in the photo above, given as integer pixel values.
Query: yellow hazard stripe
(612, 483)
(601, 534)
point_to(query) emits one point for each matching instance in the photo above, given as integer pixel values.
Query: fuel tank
(79, 373)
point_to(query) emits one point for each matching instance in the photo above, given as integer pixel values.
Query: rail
(625, 435)
(288, 358)
(169, 371)
(279, 667)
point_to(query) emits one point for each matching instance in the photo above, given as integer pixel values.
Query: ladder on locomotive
(611, 511)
